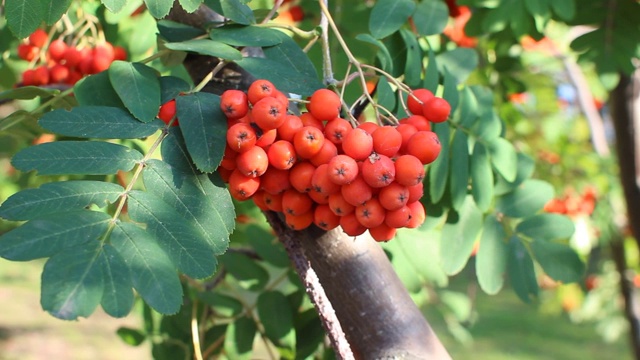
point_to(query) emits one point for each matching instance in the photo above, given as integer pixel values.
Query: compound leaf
(387, 16)
(159, 8)
(559, 261)
(504, 158)
(23, 16)
(206, 47)
(522, 274)
(277, 317)
(96, 90)
(238, 342)
(237, 35)
(281, 75)
(431, 17)
(546, 227)
(525, 200)
(458, 238)
(481, 177)
(439, 172)
(54, 10)
(459, 169)
(491, 260)
(138, 87)
(117, 298)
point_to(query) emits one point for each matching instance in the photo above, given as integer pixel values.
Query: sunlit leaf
(238, 341)
(458, 238)
(504, 158)
(281, 75)
(481, 177)
(206, 47)
(460, 62)
(559, 261)
(387, 16)
(526, 200)
(546, 227)
(159, 8)
(190, 5)
(522, 274)
(117, 298)
(138, 87)
(386, 63)
(439, 171)
(459, 169)
(236, 35)
(491, 260)
(277, 317)
(431, 17)
(23, 16)
(113, 5)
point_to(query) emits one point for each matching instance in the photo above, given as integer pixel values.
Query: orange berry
(358, 144)
(416, 192)
(265, 138)
(420, 122)
(339, 205)
(406, 130)
(300, 176)
(58, 73)
(296, 203)
(318, 198)
(378, 171)
(398, 218)
(27, 52)
(242, 187)
(336, 130)
(280, 96)
(167, 112)
(273, 201)
(386, 140)
(415, 105)
(299, 222)
(436, 109)
(342, 169)
(321, 181)
(234, 104)
(371, 213)
(275, 181)
(258, 199)
(38, 38)
(357, 192)
(351, 226)
(253, 162)
(324, 218)
(282, 155)
(268, 113)
(289, 127)
(424, 145)
(418, 214)
(382, 232)
(324, 105)
(394, 196)
(57, 49)
(327, 152)
(308, 120)
(368, 126)
(409, 170)
(260, 89)
(308, 141)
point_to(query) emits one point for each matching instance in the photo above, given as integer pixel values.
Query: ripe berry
(296, 203)
(268, 113)
(351, 226)
(242, 187)
(394, 196)
(371, 213)
(436, 109)
(57, 49)
(336, 130)
(260, 89)
(300, 176)
(324, 218)
(409, 170)
(318, 198)
(407, 131)
(399, 217)
(299, 222)
(28, 77)
(308, 141)
(27, 52)
(382, 232)
(416, 192)
(421, 94)
(253, 162)
(420, 122)
(378, 171)
(386, 140)
(358, 144)
(119, 53)
(324, 105)
(308, 120)
(72, 57)
(289, 127)
(424, 145)
(41, 75)
(58, 73)
(282, 155)
(273, 201)
(38, 38)
(339, 205)
(168, 111)
(234, 104)
(265, 138)
(275, 181)
(368, 126)
(103, 56)
(418, 214)
(321, 181)
(342, 169)
(241, 137)
(327, 152)
(356, 192)
(259, 200)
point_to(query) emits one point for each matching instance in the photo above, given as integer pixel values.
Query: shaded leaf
(190, 5)
(54, 10)
(276, 316)
(522, 275)
(281, 75)
(27, 92)
(223, 305)
(290, 55)
(432, 74)
(50, 235)
(72, 282)
(386, 63)
(171, 87)
(129, 336)
(491, 260)
(117, 298)
(174, 152)
(266, 245)
(460, 62)
(114, 5)
(458, 237)
(206, 47)
(176, 32)
(101, 122)
(59, 197)
(236, 35)
(481, 177)
(526, 200)
(96, 90)
(459, 169)
(386, 96)
(559, 261)
(450, 92)
(202, 204)
(203, 126)
(387, 16)
(413, 65)
(76, 157)
(188, 251)
(431, 17)
(238, 341)
(159, 8)
(235, 10)
(248, 273)
(153, 275)
(23, 16)
(138, 87)
(546, 227)
(504, 158)
(439, 171)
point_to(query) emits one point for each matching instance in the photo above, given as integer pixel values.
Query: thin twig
(327, 70)
(195, 332)
(273, 11)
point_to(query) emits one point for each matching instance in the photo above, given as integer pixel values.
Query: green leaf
(546, 227)
(138, 87)
(488, 128)
(236, 35)
(458, 238)
(565, 10)
(522, 275)
(431, 17)
(276, 316)
(159, 8)
(459, 169)
(387, 16)
(223, 305)
(481, 177)
(290, 55)
(183, 243)
(202, 204)
(235, 10)
(526, 200)
(23, 16)
(59, 197)
(460, 62)
(203, 126)
(281, 75)
(16, 118)
(27, 92)
(101, 122)
(439, 171)
(174, 152)
(525, 168)
(559, 261)
(383, 55)
(247, 272)
(206, 47)
(114, 5)
(76, 157)
(266, 245)
(176, 32)
(52, 234)
(117, 298)
(54, 10)
(238, 341)
(504, 158)
(450, 92)
(72, 282)
(129, 336)
(153, 275)
(491, 260)
(171, 87)
(190, 5)
(432, 74)
(96, 90)
(413, 66)
(386, 96)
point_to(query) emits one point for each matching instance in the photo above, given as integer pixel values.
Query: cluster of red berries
(317, 168)
(60, 63)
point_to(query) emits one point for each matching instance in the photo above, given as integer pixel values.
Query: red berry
(324, 105)
(58, 73)
(27, 52)
(168, 111)
(415, 106)
(57, 48)
(436, 109)
(38, 38)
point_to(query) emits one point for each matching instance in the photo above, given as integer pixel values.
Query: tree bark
(625, 111)
(376, 314)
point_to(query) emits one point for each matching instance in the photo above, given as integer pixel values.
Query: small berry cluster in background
(317, 168)
(56, 62)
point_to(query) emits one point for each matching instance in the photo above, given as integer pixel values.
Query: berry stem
(296, 31)
(327, 68)
(209, 76)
